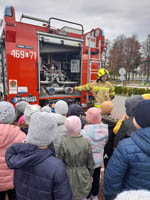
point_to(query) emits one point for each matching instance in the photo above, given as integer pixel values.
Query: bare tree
(106, 52)
(146, 55)
(125, 52)
(132, 55)
(116, 58)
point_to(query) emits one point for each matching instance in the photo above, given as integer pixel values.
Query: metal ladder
(91, 71)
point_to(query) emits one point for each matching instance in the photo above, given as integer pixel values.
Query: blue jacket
(129, 166)
(38, 174)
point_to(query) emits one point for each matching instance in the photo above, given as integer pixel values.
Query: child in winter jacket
(97, 133)
(75, 151)
(128, 168)
(61, 110)
(9, 134)
(127, 126)
(38, 173)
(108, 118)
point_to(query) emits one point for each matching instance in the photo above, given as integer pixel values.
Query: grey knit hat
(134, 194)
(7, 112)
(46, 109)
(61, 107)
(42, 129)
(30, 110)
(21, 105)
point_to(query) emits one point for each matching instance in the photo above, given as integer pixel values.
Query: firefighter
(102, 89)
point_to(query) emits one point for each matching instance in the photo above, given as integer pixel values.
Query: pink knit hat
(73, 125)
(21, 121)
(93, 115)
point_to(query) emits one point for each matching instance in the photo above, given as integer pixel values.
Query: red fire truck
(40, 63)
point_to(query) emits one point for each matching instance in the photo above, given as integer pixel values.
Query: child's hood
(60, 119)
(10, 134)
(21, 155)
(95, 131)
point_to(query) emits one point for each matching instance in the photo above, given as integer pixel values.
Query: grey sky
(115, 17)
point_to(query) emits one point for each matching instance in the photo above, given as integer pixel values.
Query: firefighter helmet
(102, 72)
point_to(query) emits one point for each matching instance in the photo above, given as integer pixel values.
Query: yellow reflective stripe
(97, 105)
(79, 88)
(112, 93)
(96, 88)
(83, 87)
(87, 87)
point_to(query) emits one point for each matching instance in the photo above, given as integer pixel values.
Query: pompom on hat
(61, 107)
(42, 129)
(93, 115)
(73, 125)
(142, 114)
(7, 112)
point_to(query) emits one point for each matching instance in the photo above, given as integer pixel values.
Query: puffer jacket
(129, 166)
(9, 134)
(38, 174)
(61, 130)
(76, 153)
(97, 134)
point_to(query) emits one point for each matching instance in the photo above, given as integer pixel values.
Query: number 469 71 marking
(23, 54)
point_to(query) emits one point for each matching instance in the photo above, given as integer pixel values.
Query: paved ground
(119, 109)
(101, 196)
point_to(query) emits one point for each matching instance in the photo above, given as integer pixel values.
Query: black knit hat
(142, 113)
(75, 109)
(130, 104)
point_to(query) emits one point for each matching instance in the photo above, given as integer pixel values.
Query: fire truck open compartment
(41, 63)
(60, 67)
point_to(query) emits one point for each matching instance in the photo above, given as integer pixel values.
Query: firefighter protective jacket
(102, 91)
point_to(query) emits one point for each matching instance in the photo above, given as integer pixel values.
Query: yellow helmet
(102, 72)
(146, 96)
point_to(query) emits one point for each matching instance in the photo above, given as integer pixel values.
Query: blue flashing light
(13, 100)
(8, 11)
(102, 32)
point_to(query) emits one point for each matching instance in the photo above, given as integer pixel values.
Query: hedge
(131, 91)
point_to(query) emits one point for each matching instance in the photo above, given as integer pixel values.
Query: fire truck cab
(40, 63)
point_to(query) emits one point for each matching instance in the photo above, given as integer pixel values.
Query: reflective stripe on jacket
(102, 91)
